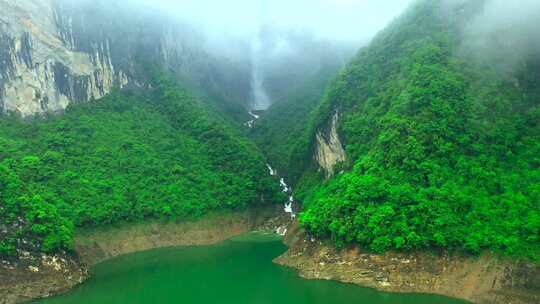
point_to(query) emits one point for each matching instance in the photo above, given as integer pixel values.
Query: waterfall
(250, 123)
(271, 170)
(288, 206)
(259, 97)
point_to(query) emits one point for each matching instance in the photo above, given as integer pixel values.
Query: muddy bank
(97, 245)
(33, 277)
(486, 279)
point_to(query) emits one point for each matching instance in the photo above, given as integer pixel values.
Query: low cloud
(504, 33)
(350, 20)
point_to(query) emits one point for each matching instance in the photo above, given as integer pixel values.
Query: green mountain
(428, 139)
(283, 132)
(127, 157)
(443, 150)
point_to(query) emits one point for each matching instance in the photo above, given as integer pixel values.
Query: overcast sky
(348, 20)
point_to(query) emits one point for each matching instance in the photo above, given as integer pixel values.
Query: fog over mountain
(504, 33)
(391, 144)
(251, 53)
(274, 34)
(349, 20)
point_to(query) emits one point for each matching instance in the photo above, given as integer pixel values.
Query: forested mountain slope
(143, 147)
(443, 150)
(127, 157)
(282, 131)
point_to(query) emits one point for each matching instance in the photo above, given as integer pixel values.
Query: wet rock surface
(328, 147)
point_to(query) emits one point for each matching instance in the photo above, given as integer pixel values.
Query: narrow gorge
(270, 151)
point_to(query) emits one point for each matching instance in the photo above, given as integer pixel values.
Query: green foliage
(47, 224)
(8, 247)
(446, 151)
(123, 158)
(283, 131)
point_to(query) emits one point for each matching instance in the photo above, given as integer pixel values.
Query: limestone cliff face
(328, 147)
(56, 52)
(41, 68)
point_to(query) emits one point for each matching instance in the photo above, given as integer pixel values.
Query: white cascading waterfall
(272, 171)
(259, 97)
(288, 207)
(250, 123)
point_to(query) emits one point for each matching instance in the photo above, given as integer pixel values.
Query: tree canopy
(126, 157)
(443, 151)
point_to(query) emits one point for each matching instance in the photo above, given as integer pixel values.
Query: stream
(288, 207)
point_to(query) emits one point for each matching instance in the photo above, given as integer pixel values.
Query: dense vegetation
(444, 151)
(123, 158)
(283, 131)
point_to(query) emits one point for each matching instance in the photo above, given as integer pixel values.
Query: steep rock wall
(40, 69)
(57, 52)
(328, 147)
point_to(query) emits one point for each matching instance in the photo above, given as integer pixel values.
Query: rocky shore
(483, 279)
(34, 276)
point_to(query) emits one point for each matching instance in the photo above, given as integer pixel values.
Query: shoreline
(97, 245)
(482, 279)
(36, 277)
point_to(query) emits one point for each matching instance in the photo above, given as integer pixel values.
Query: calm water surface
(236, 271)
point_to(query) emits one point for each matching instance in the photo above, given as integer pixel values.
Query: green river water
(236, 271)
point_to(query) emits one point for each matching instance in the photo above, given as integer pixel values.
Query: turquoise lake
(236, 271)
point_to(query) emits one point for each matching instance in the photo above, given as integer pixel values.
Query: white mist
(259, 97)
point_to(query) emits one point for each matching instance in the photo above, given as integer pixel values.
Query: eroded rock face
(57, 52)
(36, 276)
(41, 67)
(484, 279)
(328, 148)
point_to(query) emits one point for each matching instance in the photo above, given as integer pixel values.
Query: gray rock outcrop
(328, 147)
(57, 52)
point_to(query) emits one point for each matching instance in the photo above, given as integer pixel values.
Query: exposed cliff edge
(328, 147)
(57, 52)
(485, 279)
(33, 277)
(37, 277)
